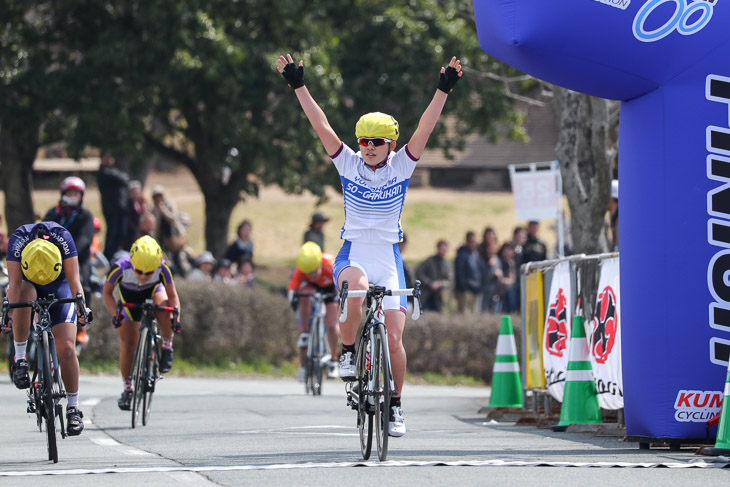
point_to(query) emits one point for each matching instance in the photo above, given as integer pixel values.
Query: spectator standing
(468, 274)
(509, 283)
(489, 236)
(534, 249)
(203, 270)
(246, 274)
(434, 274)
(242, 247)
(137, 206)
(492, 266)
(148, 224)
(72, 215)
(314, 233)
(519, 238)
(113, 189)
(171, 233)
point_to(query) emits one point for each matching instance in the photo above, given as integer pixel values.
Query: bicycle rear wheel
(152, 368)
(314, 360)
(49, 408)
(382, 371)
(139, 375)
(364, 411)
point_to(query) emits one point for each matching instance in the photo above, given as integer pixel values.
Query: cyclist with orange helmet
(314, 274)
(42, 260)
(141, 275)
(374, 183)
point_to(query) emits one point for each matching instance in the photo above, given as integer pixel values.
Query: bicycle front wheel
(49, 408)
(152, 368)
(364, 409)
(314, 361)
(382, 392)
(139, 375)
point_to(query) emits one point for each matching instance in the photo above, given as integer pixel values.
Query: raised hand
(449, 76)
(293, 74)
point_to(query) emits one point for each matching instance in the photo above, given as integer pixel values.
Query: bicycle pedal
(31, 408)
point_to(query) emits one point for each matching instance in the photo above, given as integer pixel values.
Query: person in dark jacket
(534, 249)
(113, 189)
(72, 215)
(241, 248)
(434, 274)
(314, 233)
(468, 274)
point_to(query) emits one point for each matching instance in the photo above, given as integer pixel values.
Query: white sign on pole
(534, 187)
(538, 192)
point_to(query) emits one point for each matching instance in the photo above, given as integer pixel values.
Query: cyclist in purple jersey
(374, 183)
(140, 276)
(42, 260)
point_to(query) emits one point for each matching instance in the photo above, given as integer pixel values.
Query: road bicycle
(318, 353)
(46, 386)
(370, 392)
(146, 366)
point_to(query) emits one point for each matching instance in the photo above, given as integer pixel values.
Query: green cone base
(580, 404)
(506, 390)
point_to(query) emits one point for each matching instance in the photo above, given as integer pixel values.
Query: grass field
(279, 220)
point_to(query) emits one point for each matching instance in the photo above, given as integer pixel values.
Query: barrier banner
(667, 60)
(557, 331)
(534, 313)
(604, 336)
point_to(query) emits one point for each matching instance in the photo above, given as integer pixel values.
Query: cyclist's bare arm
(71, 269)
(172, 298)
(107, 293)
(430, 116)
(15, 280)
(314, 113)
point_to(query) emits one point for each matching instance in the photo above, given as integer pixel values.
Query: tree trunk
(585, 152)
(218, 208)
(17, 154)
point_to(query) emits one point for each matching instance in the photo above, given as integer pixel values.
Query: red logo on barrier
(557, 333)
(604, 326)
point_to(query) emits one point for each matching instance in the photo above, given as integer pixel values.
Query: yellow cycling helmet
(41, 262)
(145, 254)
(309, 258)
(377, 124)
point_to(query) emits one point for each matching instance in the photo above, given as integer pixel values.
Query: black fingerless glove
(294, 75)
(448, 79)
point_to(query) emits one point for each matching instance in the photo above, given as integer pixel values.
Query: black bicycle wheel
(152, 368)
(49, 409)
(382, 371)
(139, 375)
(315, 357)
(364, 411)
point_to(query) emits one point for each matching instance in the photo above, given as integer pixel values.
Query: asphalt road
(255, 432)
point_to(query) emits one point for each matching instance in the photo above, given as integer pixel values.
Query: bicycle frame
(373, 360)
(43, 399)
(317, 342)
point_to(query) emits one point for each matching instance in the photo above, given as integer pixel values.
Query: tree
(586, 150)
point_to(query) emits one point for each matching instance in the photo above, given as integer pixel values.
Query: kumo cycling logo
(697, 406)
(556, 333)
(687, 19)
(604, 326)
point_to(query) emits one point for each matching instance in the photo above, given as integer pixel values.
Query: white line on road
(93, 401)
(127, 450)
(292, 466)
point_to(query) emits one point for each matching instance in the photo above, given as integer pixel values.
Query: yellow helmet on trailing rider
(41, 262)
(145, 254)
(377, 125)
(309, 258)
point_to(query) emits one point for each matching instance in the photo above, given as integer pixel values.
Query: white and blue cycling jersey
(373, 205)
(373, 199)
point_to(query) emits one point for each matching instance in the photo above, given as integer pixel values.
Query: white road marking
(127, 450)
(294, 466)
(298, 430)
(90, 402)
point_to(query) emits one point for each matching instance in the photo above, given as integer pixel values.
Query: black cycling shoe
(74, 421)
(20, 374)
(125, 401)
(166, 360)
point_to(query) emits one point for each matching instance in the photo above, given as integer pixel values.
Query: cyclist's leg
(357, 280)
(164, 320)
(305, 313)
(128, 337)
(21, 330)
(395, 321)
(333, 331)
(64, 334)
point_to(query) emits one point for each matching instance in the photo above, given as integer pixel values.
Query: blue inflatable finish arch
(667, 60)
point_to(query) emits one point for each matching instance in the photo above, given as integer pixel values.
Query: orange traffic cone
(580, 401)
(506, 381)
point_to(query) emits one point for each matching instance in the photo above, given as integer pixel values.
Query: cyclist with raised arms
(374, 183)
(141, 275)
(314, 274)
(42, 260)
